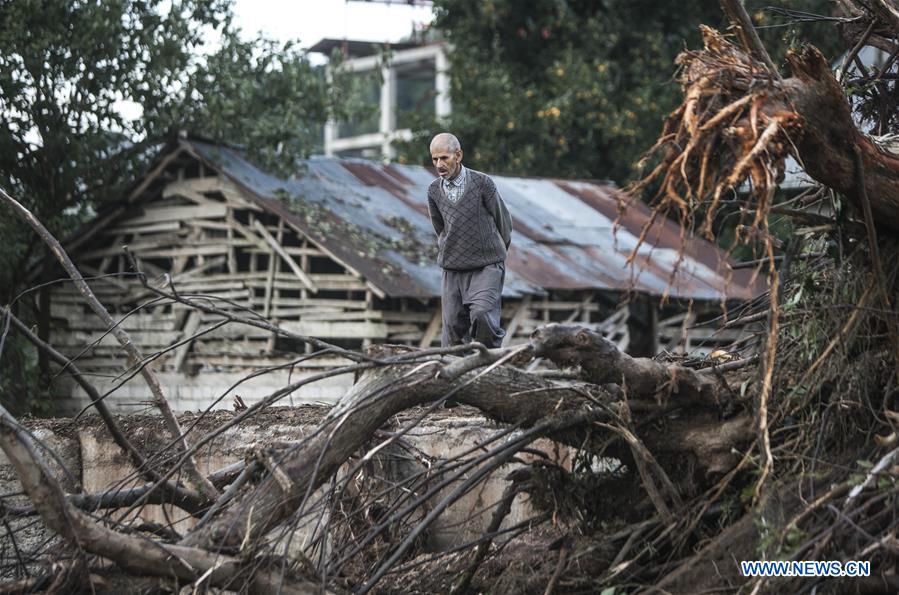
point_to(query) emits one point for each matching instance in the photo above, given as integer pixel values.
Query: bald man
(474, 230)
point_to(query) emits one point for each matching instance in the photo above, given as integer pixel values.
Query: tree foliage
(566, 89)
(85, 87)
(88, 88)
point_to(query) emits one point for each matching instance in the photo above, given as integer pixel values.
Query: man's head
(446, 155)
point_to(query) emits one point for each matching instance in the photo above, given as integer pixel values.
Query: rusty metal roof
(373, 217)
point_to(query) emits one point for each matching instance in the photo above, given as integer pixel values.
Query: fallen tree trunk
(830, 141)
(509, 396)
(740, 121)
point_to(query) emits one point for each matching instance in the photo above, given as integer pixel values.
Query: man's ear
(459, 154)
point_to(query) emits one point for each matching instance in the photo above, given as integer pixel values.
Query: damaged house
(345, 252)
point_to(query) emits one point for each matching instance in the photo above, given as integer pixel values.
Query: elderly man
(474, 230)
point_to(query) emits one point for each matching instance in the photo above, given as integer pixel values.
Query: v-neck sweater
(475, 230)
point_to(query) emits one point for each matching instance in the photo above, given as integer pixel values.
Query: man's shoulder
(435, 185)
(480, 177)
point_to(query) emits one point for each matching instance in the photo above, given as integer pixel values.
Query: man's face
(446, 162)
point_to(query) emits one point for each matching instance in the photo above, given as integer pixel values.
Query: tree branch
(134, 355)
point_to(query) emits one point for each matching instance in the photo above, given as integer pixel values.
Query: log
(830, 139)
(508, 396)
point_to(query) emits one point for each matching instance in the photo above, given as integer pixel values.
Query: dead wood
(740, 121)
(506, 395)
(134, 355)
(129, 553)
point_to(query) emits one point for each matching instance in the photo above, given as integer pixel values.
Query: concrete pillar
(330, 125)
(443, 107)
(388, 110)
(330, 136)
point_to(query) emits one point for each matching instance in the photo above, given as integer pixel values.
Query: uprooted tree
(679, 470)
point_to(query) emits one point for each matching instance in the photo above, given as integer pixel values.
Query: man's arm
(436, 217)
(497, 208)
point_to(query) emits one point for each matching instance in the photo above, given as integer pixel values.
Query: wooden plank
(122, 286)
(322, 281)
(105, 262)
(136, 244)
(75, 320)
(293, 251)
(199, 286)
(101, 290)
(618, 317)
(152, 215)
(126, 228)
(432, 330)
(199, 270)
(375, 290)
(676, 320)
(221, 250)
(338, 330)
(723, 336)
(394, 316)
(274, 268)
(336, 316)
(190, 327)
(143, 338)
(523, 308)
(102, 223)
(252, 237)
(196, 198)
(394, 329)
(221, 185)
(300, 273)
(209, 224)
(414, 337)
(269, 284)
(255, 361)
(232, 252)
(203, 184)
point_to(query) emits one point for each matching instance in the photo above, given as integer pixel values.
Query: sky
(311, 20)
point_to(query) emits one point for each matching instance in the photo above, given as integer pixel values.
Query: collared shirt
(455, 188)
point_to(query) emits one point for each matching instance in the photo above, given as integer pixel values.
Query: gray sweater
(475, 230)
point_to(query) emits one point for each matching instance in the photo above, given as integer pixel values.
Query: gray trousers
(472, 303)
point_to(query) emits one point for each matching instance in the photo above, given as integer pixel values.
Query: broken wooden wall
(201, 235)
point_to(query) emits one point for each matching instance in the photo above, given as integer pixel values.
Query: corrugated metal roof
(373, 217)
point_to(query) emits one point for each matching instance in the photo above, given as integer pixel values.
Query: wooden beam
(432, 330)
(304, 264)
(215, 184)
(190, 327)
(338, 330)
(375, 289)
(276, 267)
(205, 184)
(232, 251)
(150, 215)
(520, 314)
(252, 237)
(580, 307)
(284, 255)
(197, 270)
(269, 284)
(164, 163)
(104, 278)
(149, 228)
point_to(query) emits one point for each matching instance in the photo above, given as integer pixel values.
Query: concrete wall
(201, 391)
(96, 463)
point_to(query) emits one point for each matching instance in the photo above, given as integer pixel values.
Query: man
(474, 230)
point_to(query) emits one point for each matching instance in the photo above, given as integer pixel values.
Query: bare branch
(134, 355)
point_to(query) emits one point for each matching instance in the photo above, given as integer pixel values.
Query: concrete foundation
(89, 461)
